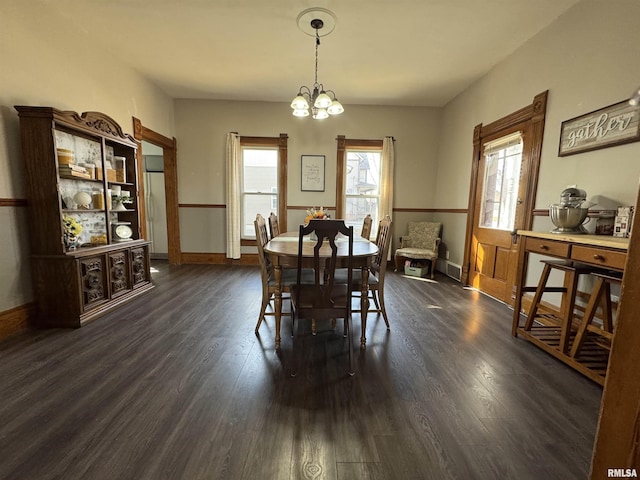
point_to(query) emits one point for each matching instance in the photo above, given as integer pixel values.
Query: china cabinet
(87, 255)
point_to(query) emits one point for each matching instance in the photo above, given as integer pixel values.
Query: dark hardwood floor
(176, 385)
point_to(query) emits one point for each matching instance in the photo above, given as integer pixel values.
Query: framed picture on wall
(312, 173)
(613, 125)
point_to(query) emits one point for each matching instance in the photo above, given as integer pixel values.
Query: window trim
(345, 144)
(281, 143)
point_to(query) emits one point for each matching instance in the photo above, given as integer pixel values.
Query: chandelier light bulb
(323, 100)
(320, 113)
(335, 108)
(299, 102)
(301, 112)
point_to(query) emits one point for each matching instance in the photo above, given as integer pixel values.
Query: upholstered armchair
(421, 243)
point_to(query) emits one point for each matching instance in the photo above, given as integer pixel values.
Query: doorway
(155, 200)
(155, 143)
(505, 165)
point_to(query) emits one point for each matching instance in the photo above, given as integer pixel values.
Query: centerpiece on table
(315, 214)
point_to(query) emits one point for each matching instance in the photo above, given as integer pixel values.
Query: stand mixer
(570, 214)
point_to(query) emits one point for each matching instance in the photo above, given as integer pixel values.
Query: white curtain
(386, 187)
(234, 190)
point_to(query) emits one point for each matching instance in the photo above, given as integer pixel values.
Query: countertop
(619, 243)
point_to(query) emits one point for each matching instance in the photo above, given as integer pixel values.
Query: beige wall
(40, 65)
(201, 128)
(587, 59)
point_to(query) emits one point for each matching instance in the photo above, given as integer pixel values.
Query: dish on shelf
(122, 232)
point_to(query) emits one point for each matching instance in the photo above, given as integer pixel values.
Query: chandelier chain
(317, 45)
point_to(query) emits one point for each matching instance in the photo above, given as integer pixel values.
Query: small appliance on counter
(605, 222)
(571, 213)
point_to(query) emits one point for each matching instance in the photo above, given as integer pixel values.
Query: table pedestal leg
(278, 302)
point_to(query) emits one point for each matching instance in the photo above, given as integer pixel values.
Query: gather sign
(609, 126)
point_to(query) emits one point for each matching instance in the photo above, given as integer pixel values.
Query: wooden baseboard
(17, 320)
(218, 259)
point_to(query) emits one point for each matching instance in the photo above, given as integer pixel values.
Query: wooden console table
(602, 251)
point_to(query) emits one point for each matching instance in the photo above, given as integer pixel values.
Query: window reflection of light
(472, 327)
(419, 279)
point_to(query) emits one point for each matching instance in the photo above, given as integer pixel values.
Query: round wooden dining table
(283, 252)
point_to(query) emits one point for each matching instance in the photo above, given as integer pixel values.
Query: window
(362, 187)
(359, 181)
(259, 185)
(503, 158)
(263, 181)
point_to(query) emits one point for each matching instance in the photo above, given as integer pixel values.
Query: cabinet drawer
(599, 256)
(547, 247)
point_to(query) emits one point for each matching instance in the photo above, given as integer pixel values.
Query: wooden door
(490, 249)
(498, 212)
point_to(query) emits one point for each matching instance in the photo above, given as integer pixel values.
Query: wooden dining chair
(366, 227)
(323, 299)
(376, 272)
(266, 272)
(274, 227)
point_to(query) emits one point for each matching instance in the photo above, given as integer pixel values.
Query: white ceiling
(382, 52)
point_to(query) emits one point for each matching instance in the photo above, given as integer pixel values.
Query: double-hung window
(503, 159)
(359, 182)
(263, 180)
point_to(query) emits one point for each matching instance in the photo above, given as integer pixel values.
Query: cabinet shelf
(82, 210)
(83, 179)
(79, 278)
(124, 184)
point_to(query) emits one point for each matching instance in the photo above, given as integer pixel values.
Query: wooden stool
(572, 271)
(601, 295)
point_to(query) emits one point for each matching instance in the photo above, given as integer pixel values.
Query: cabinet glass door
(79, 163)
(121, 191)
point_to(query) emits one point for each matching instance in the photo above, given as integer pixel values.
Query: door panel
(500, 272)
(485, 254)
(490, 268)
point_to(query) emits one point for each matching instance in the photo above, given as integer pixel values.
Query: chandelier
(321, 102)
